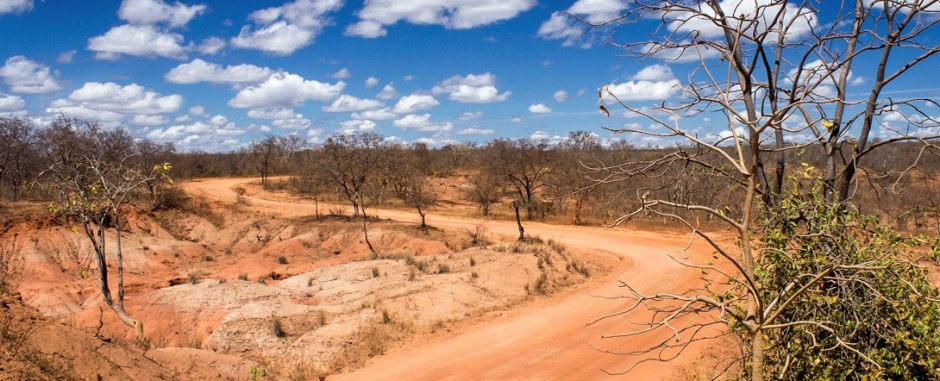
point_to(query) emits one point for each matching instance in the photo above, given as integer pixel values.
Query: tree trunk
(365, 231)
(515, 205)
(757, 356)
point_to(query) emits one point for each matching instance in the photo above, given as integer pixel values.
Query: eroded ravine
(542, 341)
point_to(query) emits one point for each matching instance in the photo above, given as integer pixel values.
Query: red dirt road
(546, 340)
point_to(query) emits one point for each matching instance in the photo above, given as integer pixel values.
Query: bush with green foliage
(852, 301)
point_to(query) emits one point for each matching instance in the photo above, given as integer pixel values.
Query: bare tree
(350, 162)
(779, 78)
(262, 155)
(524, 163)
(485, 190)
(91, 176)
(16, 138)
(407, 173)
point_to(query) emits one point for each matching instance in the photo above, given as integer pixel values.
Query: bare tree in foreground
(812, 289)
(90, 177)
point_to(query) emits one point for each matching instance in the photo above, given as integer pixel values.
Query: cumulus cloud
(476, 131)
(357, 125)
(479, 88)
(26, 76)
(470, 116)
(283, 90)
(371, 82)
(410, 104)
(137, 40)
(658, 85)
(560, 96)
(341, 74)
(15, 6)
(281, 117)
(66, 57)
(561, 26)
(148, 32)
(130, 99)
(421, 123)
(384, 113)
(151, 12)
(349, 103)
(654, 73)
(800, 21)
(285, 29)
(202, 135)
(211, 46)
(539, 108)
(273, 113)
(202, 71)
(11, 103)
(388, 92)
(376, 15)
(149, 120)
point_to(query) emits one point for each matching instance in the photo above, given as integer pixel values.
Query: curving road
(546, 340)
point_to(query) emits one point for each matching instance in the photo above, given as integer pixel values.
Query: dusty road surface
(546, 340)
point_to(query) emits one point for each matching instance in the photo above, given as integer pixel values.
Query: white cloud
(203, 136)
(292, 123)
(197, 110)
(799, 21)
(421, 123)
(211, 46)
(697, 53)
(451, 14)
(25, 76)
(476, 131)
(408, 78)
(275, 113)
(285, 29)
(371, 82)
(149, 120)
(137, 40)
(410, 104)
(218, 120)
(540, 135)
(66, 57)
(515, 120)
(349, 103)
(341, 74)
(561, 26)
(151, 12)
(644, 90)
(282, 117)
(470, 115)
(202, 71)
(539, 108)
(130, 99)
(479, 88)
(385, 113)
(148, 31)
(285, 89)
(654, 73)
(358, 125)
(15, 6)
(11, 103)
(560, 96)
(388, 92)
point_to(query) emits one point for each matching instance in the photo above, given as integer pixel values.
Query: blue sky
(214, 75)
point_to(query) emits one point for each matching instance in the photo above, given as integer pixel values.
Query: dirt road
(547, 340)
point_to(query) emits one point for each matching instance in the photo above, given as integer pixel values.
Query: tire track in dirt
(548, 340)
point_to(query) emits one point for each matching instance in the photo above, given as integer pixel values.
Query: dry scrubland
(228, 291)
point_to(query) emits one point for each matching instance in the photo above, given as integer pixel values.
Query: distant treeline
(579, 180)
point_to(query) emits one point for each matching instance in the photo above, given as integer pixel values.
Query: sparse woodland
(833, 198)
